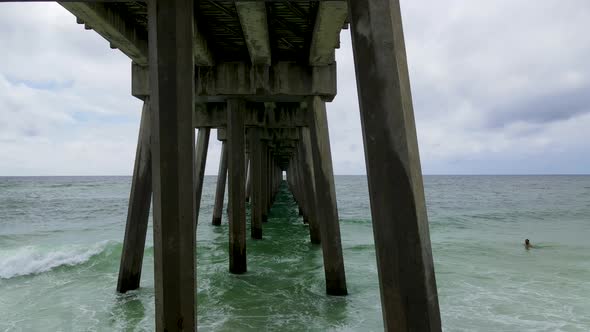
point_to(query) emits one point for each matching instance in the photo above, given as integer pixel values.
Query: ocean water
(60, 244)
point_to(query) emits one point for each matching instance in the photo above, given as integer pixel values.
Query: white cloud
(498, 87)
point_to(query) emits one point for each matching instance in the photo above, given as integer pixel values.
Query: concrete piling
(172, 87)
(139, 208)
(326, 198)
(256, 206)
(236, 186)
(200, 161)
(400, 224)
(220, 189)
(307, 170)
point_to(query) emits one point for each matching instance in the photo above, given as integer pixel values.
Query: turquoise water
(60, 243)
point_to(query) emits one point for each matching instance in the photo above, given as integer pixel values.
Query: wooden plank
(120, 33)
(139, 208)
(400, 223)
(172, 89)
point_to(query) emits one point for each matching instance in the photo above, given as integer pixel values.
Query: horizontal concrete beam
(283, 81)
(271, 115)
(120, 33)
(330, 19)
(268, 134)
(254, 24)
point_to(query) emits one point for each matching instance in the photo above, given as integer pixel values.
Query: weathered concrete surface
(140, 81)
(264, 178)
(252, 16)
(200, 161)
(272, 115)
(308, 175)
(267, 134)
(173, 139)
(326, 198)
(220, 189)
(330, 18)
(236, 186)
(201, 50)
(400, 224)
(119, 32)
(139, 208)
(248, 176)
(265, 83)
(256, 206)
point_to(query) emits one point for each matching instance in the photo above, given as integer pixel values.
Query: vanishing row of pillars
(168, 171)
(310, 167)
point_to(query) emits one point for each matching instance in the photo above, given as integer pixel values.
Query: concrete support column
(267, 196)
(400, 224)
(236, 186)
(291, 177)
(269, 181)
(139, 208)
(326, 197)
(256, 206)
(299, 184)
(277, 179)
(220, 189)
(248, 175)
(264, 178)
(172, 85)
(200, 161)
(308, 173)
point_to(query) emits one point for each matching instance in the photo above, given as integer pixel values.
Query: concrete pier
(201, 159)
(173, 137)
(326, 198)
(220, 189)
(400, 224)
(309, 186)
(264, 181)
(139, 208)
(224, 65)
(256, 205)
(236, 186)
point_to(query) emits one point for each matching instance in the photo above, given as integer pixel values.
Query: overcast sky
(499, 87)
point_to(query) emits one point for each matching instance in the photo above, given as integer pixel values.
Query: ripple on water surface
(60, 243)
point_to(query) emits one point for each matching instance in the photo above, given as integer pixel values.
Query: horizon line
(424, 174)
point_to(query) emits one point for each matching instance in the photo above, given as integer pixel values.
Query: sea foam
(33, 259)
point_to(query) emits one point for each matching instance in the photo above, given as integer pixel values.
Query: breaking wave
(33, 259)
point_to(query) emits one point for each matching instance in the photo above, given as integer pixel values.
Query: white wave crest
(32, 259)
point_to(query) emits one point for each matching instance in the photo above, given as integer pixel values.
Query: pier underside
(260, 73)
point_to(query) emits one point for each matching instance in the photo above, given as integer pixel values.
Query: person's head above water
(527, 242)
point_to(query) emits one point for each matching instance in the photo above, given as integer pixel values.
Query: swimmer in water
(527, 244)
